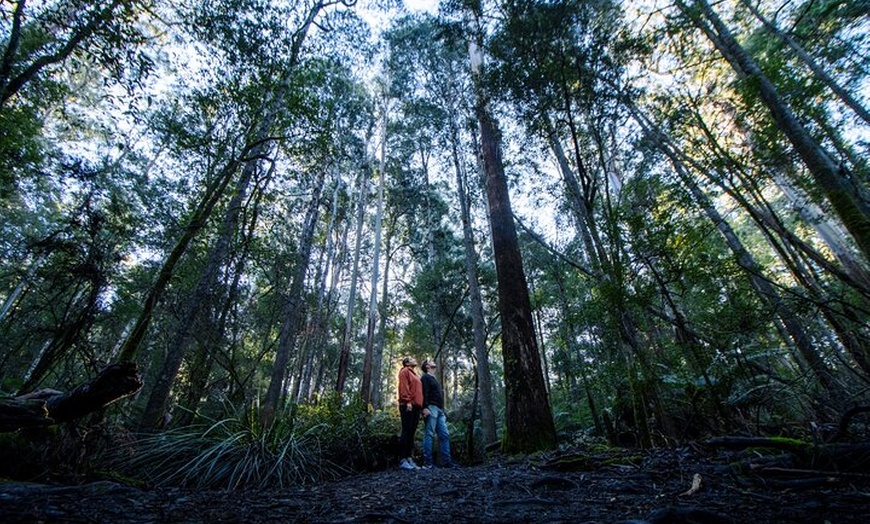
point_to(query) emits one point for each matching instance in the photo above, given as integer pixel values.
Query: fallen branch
(47, 406)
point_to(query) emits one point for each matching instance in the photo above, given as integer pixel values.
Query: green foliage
(319, 441)
(232, 453)
(20, 146)
(350, 436)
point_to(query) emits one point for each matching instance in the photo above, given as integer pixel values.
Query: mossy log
(839, 456)
(48, 406)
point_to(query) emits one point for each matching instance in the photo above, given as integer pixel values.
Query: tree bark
(478, 325)
(529, 423)
(372, 323)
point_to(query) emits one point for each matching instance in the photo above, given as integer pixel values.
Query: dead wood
(847, 457)
(47, 406)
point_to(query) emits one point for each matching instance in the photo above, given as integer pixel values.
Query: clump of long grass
(236, 452)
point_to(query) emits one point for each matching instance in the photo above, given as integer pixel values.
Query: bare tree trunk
(377, 371)
(330, 258)
(580, 205)
(371, 327)
(344, 356)
(478, 325)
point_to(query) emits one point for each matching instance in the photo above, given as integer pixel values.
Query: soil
(684, 485)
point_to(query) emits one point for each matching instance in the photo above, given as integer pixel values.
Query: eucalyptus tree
(267, 118)
(429, 55)
(371, 352)
(363, 172)
(329, 269)
(837, 181)
(811, 270)
(342, 111)
(572, 54)
(40, 36)
(528, 420)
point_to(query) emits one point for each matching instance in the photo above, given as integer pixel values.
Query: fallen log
(47, 406)
(844, 457)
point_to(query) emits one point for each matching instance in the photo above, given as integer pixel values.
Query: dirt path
(658, 488)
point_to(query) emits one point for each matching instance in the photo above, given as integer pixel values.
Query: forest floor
(685, 485)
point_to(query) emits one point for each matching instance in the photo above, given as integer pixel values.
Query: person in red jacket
(410, 406)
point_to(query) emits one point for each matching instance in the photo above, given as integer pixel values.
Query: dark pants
(410, 419)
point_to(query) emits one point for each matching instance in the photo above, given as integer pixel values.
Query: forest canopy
(639, 222)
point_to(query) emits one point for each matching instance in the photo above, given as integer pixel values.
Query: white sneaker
(407, 464)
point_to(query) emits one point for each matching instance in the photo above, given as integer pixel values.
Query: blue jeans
(436, 422)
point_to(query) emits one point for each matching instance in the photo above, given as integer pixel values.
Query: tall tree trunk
(528, 421)
(478, 325)
(131, 344)
(383, 307)
(19, 288)
(196, 318)
(344, 356)
(832, 179)
(316, 318)
(371, 326)
(292, 305)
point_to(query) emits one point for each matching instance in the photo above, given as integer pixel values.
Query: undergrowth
(309, 444)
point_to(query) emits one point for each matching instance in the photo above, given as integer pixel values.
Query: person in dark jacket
(435, 418)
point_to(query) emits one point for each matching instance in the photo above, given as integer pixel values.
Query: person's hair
(407, 360)
(428, 363)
